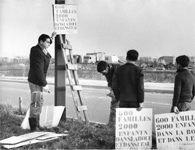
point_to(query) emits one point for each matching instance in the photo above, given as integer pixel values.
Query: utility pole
(60, 78)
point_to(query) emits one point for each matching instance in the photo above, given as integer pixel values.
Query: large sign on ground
(65, 19)
(133, 128)
(175, 131)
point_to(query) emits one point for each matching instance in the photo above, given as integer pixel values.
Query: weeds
(6, 110)
(82, 135)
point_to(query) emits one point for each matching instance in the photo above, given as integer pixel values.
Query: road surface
(96, 100)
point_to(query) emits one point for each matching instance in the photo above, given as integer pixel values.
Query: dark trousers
(127, 104)
(113, 105)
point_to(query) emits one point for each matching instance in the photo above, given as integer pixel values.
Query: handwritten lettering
(134, 118)
(166, 133)
(174, 139)
(132, 144)
(133, 133)
(185, 124)
(183, 118)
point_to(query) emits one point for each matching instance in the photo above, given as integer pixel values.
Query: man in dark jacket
(39, 63)
(128, 83)
(184, 86)
(108, 71)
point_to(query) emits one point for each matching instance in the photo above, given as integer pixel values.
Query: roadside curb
(152, 90)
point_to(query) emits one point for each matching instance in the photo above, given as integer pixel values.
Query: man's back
(128, 83)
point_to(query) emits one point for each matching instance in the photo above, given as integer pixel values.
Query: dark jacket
(39, 63)
(184, 87)
(128, 83)
(109, 76)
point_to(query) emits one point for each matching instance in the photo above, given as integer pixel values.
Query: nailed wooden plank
(72, 67)
(77, 87)
(66, 46)
(81, 108)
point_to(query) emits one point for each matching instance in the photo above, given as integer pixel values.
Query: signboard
(133, 128)
(29, 138)
(65, 19)
(175, 131)
(50, 117)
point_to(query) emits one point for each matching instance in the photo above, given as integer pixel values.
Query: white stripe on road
(156, 103)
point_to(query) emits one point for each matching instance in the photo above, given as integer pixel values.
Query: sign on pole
(65, 19)
(175, 131)
(133, 128)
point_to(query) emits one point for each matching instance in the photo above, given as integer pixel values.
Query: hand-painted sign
(133, 128)
(175, 131)
(65, 19)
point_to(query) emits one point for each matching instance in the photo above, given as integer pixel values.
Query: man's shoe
(32, 123)
(38, 125)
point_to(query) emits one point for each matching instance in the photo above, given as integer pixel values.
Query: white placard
(29, 138)
(133, 128)
(175, 131)
(65, 19)
(50, 117)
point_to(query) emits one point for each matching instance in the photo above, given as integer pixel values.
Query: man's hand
(110, 95)
(140, 107)
(66, 46)
(53, 35)
(110, 88)
(176, 110)
(68, 42)
(46, 89)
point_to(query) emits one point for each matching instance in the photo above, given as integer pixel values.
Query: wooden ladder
(74, 84)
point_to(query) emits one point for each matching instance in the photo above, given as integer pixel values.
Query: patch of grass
(81, 135)
(6, 110)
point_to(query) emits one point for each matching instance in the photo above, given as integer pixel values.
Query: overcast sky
(153, 27)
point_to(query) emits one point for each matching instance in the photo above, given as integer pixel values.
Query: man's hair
(183, 60)
(132, 55)
(102, 65)
(43, 38)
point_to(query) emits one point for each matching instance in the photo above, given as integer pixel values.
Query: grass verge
(81, 135)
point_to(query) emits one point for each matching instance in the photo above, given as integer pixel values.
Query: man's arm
(141, 87)
(38, 66)
(108, 79)
(177, 90)
(115, 86)
(140, 90)
(176, 95)
(193, 90)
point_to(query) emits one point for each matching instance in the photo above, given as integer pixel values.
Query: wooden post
(20, 106)
(60, 79)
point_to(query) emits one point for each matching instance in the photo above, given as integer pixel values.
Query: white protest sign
(50, 117)
(65, 19)
(175, 131)
(133, 128)
(29, 138)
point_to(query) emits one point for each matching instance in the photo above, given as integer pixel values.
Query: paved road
(96, 100)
